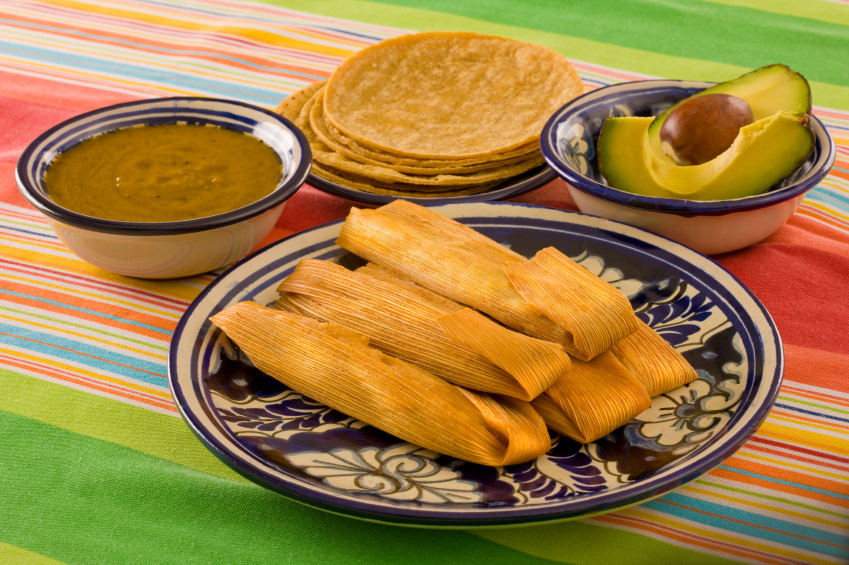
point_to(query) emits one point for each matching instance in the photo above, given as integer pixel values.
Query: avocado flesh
(763, 154)
(767, 90)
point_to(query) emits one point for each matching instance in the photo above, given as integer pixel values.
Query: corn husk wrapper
(335, 366)
(536, 364)
(403, 322)
(595, 313)
(390, 276)
(653, 361)
(593, 399)
(447, 258)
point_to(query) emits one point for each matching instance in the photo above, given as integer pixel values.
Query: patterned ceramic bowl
(167, 249)
(569, 142)
(294, 445)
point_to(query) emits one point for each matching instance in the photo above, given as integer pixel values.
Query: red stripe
(129, 292)
(791, 447)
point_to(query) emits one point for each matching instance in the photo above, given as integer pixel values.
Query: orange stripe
(770, 486)
(689, 539)
(166, 325)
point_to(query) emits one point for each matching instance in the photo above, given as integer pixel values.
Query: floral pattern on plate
(677, 422)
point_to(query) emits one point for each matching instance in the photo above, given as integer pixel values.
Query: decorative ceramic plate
(511, 187)
(306, 451)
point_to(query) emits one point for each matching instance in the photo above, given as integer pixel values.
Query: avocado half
(767, 90)
(779, 140)
(763, 153)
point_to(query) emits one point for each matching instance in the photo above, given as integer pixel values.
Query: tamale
(595, 313)
(594, 398)
(401, 321)
(652, 360)
(445, 258)
(536, 364)
(334, 366)
(388, 275)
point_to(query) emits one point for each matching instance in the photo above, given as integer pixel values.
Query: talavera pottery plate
(308, 452)
(511, 187)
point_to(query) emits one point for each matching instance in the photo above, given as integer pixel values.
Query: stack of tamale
(433, 114)
(452, 321)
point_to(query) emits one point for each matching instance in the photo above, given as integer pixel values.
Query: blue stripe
(47, 235)
(150, 47)
(812, 413)
(107, 360)
(828, 197)
(786, 483)
(221, 89)
(817, 544)
(87, 311)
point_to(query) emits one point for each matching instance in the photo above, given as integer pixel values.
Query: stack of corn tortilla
(433, 114)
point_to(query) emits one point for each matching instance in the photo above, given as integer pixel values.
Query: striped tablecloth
(96, 465)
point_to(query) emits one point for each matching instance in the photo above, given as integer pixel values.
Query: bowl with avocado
(716, 167)
(165, 188)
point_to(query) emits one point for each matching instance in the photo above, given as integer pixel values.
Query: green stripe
(11, 554)
(687, 28)
(813, 405)
(637, 60)
(585, 544)
(153, 433)
(91, 418)
(822, 10)
(83, 500)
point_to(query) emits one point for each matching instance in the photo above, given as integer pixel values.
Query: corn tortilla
(448, 95)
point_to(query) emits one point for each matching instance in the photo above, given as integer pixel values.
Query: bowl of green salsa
(165, 188)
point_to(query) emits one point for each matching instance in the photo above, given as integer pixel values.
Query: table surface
(96, 465)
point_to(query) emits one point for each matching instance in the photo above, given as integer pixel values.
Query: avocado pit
(701, 128)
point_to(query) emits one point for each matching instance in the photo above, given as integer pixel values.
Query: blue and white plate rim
(250, 272)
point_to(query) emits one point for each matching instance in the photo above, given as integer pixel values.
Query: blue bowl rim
(672, 205)
(63, 215)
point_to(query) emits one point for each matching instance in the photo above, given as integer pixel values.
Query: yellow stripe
(13, 554)
(85, 337)
(752, 504)
(637, 513)
(802, 423)
(97, 376)
(180, 289)
(805, 437)
(253, 34)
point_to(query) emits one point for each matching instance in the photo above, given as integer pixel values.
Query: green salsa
(163, 173)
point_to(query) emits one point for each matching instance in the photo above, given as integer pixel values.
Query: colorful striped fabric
(96, 465)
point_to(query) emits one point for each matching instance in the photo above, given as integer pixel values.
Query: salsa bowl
(162, 250)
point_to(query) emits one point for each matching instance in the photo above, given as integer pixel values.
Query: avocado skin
(763, 154)
(787, 90)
